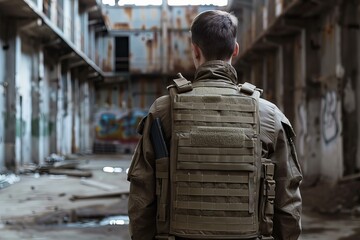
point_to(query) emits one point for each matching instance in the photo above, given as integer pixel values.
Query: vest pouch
(162, 193)
(267, 197)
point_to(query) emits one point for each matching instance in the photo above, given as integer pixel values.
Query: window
(122, 54)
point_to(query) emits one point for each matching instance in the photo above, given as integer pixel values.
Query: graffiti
(119, 126)
(330, 125)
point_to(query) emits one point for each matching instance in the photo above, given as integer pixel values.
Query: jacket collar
(216, 70)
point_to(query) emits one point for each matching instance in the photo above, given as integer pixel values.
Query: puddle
(109, 221)
(115, 170)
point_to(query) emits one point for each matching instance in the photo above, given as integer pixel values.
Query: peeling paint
(128, 11)
(121, 26)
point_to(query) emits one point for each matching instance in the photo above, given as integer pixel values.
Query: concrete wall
(314, 58)
(159, 39)
(46, 89)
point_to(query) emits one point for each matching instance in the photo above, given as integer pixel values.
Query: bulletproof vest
(214, 182)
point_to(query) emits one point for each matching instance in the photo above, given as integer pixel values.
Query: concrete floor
(47, 197)
(320, 227)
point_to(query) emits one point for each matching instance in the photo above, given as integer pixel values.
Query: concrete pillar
(67, 19)
(164, 33)
(312, 160)
(53, 104)
(358, 88)
(288, 81)
(40, 4)
(3, 84)
(92, 109)
(85, 112)
(331, 107)
(44, 104)
(300, 120)
(12, 46)
(350, 106)
(279, 87)
(35, 113)
(64, 115)
(24, 118)
(75, 142)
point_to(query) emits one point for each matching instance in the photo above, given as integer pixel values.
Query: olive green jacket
(276, 134)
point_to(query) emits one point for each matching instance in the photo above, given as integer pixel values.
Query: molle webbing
(214, 167)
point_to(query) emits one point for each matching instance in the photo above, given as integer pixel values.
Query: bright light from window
(197, 2)
(140, 2)
(170, 2)
(109, 2)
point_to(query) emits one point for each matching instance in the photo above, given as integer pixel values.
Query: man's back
(213, 46)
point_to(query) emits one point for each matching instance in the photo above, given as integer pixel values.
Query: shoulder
(161, 108)
(273, 120)
(160, 105)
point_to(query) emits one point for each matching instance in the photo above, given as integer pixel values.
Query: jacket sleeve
(288, 176)
(142, 200)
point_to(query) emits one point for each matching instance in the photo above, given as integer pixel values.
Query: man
(213, 35)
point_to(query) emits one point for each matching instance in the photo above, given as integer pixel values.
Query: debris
(97, 184)
(70, 172)
(72, 156)
(103, 195)
(7, 180)
(28, 168)
(66, 164)
(54, 158)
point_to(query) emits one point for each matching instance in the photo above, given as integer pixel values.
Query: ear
(236, 50)
(196, 51)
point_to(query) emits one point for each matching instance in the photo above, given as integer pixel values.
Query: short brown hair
(214, 31)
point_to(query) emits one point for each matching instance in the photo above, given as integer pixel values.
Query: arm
(288, 176)
(142, 200)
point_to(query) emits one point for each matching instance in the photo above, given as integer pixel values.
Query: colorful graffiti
(118, 127)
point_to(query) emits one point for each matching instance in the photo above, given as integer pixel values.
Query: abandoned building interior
(77, 76)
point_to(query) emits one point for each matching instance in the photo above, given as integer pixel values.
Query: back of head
(214, 32)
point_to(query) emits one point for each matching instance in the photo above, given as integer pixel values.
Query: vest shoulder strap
(181, 84)
(251, 90)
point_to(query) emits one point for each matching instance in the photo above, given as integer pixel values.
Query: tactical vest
(215, 184)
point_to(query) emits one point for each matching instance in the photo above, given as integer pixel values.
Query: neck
(205, 61)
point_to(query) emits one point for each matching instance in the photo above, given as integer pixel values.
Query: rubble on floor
(8, 179)
(57, 165)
